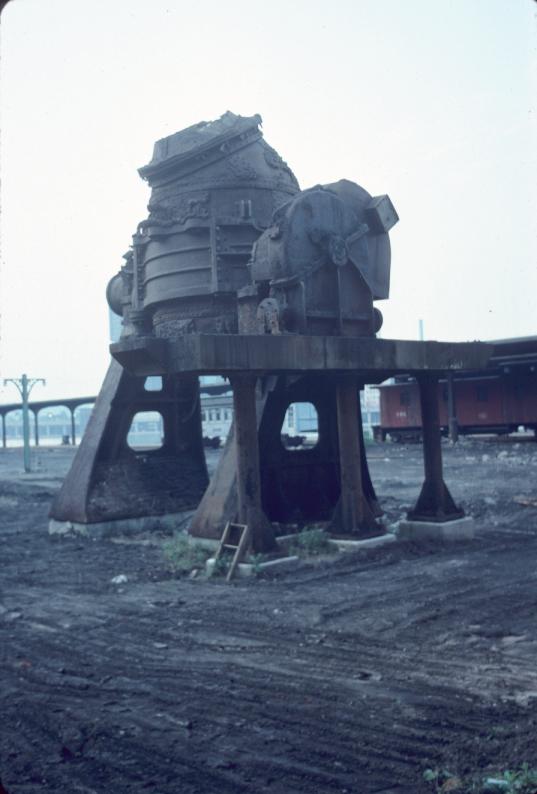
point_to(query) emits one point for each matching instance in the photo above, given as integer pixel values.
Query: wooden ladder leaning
(240, 533)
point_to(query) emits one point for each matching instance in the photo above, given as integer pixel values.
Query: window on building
(210, 416)
(146, 431)
(203, 416)
(226, 415)
(217, 415)
(300, 426)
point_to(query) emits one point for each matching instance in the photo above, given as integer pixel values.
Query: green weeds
(442, 780)
(221, 565)
(311, 543)
(183, 555)
(520, 781)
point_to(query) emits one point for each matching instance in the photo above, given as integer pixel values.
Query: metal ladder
(239, 547)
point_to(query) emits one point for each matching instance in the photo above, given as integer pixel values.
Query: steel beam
(453, 426)
(435, 502)
(248, 477)
(353, 513)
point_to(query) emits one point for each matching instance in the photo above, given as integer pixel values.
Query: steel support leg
(367, 483)
(435, 502)
(248, 478)
(353, 513)
(452, 409)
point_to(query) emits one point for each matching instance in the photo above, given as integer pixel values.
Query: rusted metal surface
(434, 502)
(296, 485)
(498, 399)
(228, 353)
(108, 480)
(250, 511)
(214, 189)
(238, 272)
(353, 509)
(452, 409)
(324, 259)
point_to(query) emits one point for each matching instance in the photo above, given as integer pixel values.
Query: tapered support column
(435, 502)
(248, 478)
(108, 481)
(367, 483)
(453, 425)
(73, 428)
(353, 513)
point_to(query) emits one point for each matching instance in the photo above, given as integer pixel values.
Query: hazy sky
(430, 101)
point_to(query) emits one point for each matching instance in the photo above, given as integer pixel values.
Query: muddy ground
(350, 675)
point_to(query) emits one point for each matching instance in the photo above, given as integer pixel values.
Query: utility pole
(25, 386)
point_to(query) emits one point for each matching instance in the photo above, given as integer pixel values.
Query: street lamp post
(25, 386)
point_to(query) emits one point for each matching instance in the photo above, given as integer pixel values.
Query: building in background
(146, 431)
(216, 415)
(54, 425)
(217, 409)
(301, 418)
(370, 404)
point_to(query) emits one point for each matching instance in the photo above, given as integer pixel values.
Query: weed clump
(311, 543)
(221, 565)
(516, 781)
(183, 556)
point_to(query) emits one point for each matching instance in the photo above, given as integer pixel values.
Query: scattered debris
(10, 617)
(271, 670)
(527, 501)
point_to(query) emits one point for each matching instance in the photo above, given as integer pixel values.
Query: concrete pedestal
(366, 543)
(165, 524)
(246, 569)
(459, 529)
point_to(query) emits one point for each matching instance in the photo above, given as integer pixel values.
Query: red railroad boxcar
(497, 401)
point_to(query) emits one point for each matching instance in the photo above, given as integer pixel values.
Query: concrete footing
(166, 524)
(366, 543)
(245, 569)
(459, 529)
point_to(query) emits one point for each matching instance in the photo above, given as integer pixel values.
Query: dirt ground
(350, 675)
